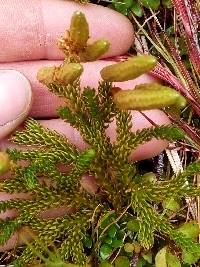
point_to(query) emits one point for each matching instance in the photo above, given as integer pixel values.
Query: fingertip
(103, 23)
(153, 147)
(11, 243)
(35, 33)
(15, 100)
(147, 149)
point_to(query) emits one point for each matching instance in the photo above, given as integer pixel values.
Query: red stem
(190, 18)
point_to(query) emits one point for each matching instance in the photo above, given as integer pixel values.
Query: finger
(87, 183)
(19, 237)
(5, 197)
(45, 103)
(12, 242)
(15, 100)
(29, 29)
(148, 150)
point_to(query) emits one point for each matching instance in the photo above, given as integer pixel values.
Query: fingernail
(15, 100)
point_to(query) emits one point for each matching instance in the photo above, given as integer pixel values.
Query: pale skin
(28, 34)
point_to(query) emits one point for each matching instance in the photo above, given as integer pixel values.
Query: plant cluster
(129, 213)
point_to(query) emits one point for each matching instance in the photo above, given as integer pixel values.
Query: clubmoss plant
(129, 213)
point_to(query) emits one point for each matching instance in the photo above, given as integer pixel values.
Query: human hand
(29, 35)
(28, 32)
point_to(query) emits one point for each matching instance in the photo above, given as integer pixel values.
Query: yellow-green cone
(79, 30)
(128, 70)
(148, 96)
(68, 73)
(64, 74)
(181, 101)
(4, 162)
(95, 50)
(45, 75)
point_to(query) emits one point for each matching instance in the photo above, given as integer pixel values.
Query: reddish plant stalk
(189, 16)
(166, 75)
